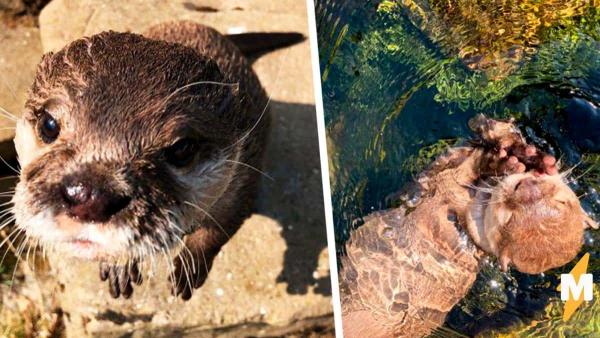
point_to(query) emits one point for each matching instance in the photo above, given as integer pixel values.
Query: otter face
(120, 155)
(533, 222)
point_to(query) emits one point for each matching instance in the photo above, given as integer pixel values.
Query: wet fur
(407, 267)
(121, 99)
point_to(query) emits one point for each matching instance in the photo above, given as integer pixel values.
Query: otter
(133, 146)
(405, 268)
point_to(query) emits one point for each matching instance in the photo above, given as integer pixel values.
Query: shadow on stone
(295, 195)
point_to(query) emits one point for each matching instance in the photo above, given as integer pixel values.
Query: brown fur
(407, 267)
(542, 223)
(121, 100)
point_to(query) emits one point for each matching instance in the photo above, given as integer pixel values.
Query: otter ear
(588, 222)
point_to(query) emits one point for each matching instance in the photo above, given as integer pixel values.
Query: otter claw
(120, 278)
(186, 277)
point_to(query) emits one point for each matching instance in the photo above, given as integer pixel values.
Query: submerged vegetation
(400, 81)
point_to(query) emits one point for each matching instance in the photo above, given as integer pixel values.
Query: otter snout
(88, 201)
(528, 190)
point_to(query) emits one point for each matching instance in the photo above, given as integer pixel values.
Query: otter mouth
(72, 238)
(84, 248)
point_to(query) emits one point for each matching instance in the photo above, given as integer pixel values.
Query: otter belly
(404, 272)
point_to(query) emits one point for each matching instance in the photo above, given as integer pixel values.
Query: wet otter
(405, 268)
(134, 146)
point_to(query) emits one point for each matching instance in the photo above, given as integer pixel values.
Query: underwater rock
(583, 123)
(489, 36)
(272, 278)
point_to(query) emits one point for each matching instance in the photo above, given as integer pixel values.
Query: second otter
(407, 267)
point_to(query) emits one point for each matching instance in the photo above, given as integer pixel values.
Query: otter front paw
(190, 273)
(511, 153)
(497, 132)
(120, 278)
(522, 157)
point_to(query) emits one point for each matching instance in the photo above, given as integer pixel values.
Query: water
(400, 81)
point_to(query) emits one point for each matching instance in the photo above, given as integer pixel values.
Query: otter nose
(528, 190)
(89, 204)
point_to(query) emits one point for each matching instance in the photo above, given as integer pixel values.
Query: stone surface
(22, 7)
(272, 278)
(20, 53)
(93, 16)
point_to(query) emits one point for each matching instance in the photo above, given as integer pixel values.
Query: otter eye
(48, 128)
(181, 153)
(518, 185)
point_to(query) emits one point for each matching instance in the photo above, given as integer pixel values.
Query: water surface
(400, 81)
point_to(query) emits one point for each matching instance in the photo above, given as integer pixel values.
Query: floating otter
(134, 146)
(405, 268)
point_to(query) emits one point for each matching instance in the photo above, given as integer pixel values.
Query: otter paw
(540, 162)
(546, 164)
(190, 273)
(120, 278)
(497, 132)
(521, 157)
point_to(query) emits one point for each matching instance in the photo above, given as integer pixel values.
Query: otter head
(533, 222)
(124, 145)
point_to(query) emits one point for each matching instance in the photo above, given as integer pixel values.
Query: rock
(272, 278)
(93, 16)
(22, 7)
(20, 53)
(241, 290)
(583, 123)
(488, 36)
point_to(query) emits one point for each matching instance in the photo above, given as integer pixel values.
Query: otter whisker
(253, 168)
(487, 203)
(478, 188)
(163, 249)
(28, 251)
(11, 167)
(4, 225)
(585, 172)
(175, 224)
(10, 246)
(195, 84)
(6, 203)
(566, 173)
(246, 134)
(184, 265)
(260, 117)
(35, 248)
(18, 256)
(170, 265)
(209, 216)
(185, 249)
(5, 113)
(8, 221)
(8, 241)
(7, 216)
(204, 259)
